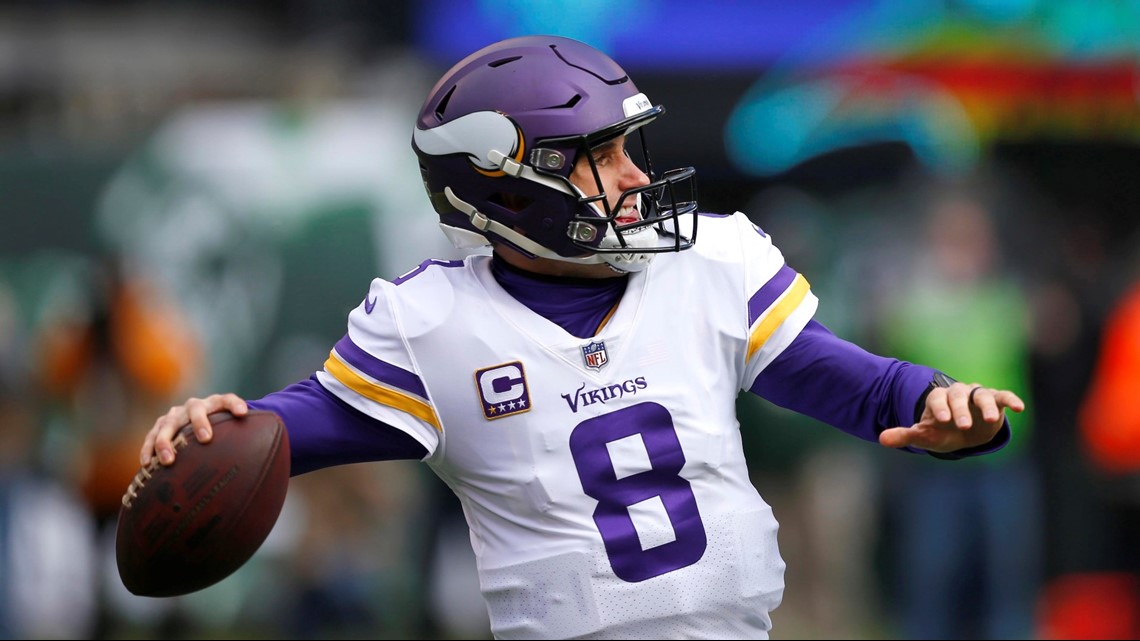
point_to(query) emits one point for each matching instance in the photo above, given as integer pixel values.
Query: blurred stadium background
(194, 193)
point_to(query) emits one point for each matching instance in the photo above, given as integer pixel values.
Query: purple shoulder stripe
(768, 294)
(424, 265)
(386, 373)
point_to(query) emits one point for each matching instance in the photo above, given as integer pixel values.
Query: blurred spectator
(1091, 605)
(1110, 414)
(351, 571)
(1078, 279)
(108, 356)
(1109, 435)
(47, 552)
(968, 536)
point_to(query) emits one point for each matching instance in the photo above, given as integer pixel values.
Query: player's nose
(632, 175)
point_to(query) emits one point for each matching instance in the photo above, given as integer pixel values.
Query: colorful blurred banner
(944, 78)
(949, 84)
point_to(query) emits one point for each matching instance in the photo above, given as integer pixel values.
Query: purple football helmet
(497, 140)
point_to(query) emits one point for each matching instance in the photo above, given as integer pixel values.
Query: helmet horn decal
(476, 135)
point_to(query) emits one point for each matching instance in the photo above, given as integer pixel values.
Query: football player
(577, 387)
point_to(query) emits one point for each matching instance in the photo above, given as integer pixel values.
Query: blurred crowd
(212, 233)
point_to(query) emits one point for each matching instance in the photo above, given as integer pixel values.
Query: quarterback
(576, 388)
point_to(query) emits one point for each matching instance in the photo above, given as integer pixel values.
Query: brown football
(186, 526)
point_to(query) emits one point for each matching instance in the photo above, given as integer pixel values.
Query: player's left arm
(896, 403)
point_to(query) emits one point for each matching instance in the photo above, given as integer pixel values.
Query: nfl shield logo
(595, 355)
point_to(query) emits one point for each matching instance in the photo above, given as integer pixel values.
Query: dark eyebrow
(605, 146)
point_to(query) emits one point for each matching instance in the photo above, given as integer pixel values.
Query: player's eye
(609, 153)
(604, 157)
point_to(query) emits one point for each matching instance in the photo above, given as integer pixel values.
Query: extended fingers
(990, 402)
(1007, 399)
(170, 424)
(955, 417)
(158, 439)
(198, 413)
(195, 412)
(959, 398)
(952, 405)
(937, 404)
(983, 399)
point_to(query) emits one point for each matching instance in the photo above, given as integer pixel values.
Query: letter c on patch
(501, 383)
(502, 390)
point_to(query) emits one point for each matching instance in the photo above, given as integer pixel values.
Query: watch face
(942, 380)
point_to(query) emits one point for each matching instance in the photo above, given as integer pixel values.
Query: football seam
(147, 471)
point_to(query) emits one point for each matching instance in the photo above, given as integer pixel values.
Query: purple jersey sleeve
(839, 383)
(325, 431)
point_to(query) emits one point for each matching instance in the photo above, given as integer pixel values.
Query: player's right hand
(195, 412)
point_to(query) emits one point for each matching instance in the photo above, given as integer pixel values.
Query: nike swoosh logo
(369, 305)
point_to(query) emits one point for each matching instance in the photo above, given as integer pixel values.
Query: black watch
(942, 380)
(939, 379)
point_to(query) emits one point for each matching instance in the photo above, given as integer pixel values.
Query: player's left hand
(956, 417)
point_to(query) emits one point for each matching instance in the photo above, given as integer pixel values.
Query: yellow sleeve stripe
(777, 314)
(380, 394)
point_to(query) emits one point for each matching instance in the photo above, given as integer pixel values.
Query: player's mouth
(628, 215)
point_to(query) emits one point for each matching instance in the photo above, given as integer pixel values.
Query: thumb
(896, 437)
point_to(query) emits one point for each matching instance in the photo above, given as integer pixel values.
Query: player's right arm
(195, 411)
(366, 404)
(323, 430)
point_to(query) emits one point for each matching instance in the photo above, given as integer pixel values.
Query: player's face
(618, 174)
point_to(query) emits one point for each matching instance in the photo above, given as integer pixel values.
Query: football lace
(147, 471)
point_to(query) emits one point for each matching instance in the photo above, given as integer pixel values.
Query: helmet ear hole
(513, 202)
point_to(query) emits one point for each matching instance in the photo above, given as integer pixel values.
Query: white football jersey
(603, 478)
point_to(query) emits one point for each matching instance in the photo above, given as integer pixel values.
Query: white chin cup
(641, 238)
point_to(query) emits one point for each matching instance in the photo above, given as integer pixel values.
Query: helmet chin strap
(634, 261)
(484, 224)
